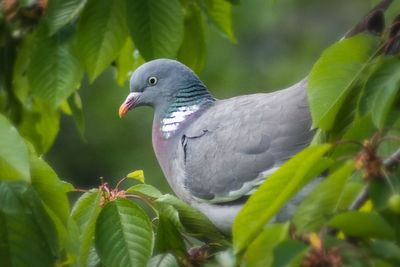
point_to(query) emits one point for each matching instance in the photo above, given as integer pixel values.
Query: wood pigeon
(215, 153)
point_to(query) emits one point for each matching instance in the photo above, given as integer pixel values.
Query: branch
(393, 160)
(360, 199)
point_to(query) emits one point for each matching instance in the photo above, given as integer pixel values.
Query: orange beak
(130, 102)
(123, 109)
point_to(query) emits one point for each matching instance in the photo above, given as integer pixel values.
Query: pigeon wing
(235, 144)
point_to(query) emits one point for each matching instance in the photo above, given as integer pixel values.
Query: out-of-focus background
(277, 44)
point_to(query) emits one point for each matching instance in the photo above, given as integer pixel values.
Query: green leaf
(40, 125)
(380, 91)
(20, 79)
(323, 201)
(220, 13)
(275, 191)
(288, 252)
(75, 103)
(168, 238)
(85, 213)
(163, 260)
(195, 222)
(4, 252)
(351, 189)
(54, 72)
(385, 250)
(93, 258)
(47, 226)
(129, 59)
(14, 159)
(101, 34)
(71, 241)
(171, 213)
(137, 175)
(124, 229)
(51, 190)
(27, 235)
(125, 61)
(379, 192)
(334, 74)
(156, 27)
(61, 12)
(144, 190)
(361, 129)
(363, 224)
(193, 51)
(260, 251)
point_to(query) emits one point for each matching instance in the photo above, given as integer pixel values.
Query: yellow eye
(153, 80)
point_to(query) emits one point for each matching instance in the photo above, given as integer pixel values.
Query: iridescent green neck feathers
(187, 103)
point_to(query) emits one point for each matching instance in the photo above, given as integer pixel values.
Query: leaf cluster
(335, 203)
(46, 48)
(349, 216)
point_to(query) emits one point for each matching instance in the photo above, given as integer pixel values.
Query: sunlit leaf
(70, 241)
(145, 190)
(275, 191)
(61, 12)
(101, 33)
(14, 159)
(163, 260)
(123, 228)
(156, 27)
(54, 72)
(334, 74)
(195, 222)
(125, 61)
(137, 175)
(51, 190)
(220, 13)
(128, 60)
(85, 213)
(40, 125)
(323, 201)
(193, 52)
(363, 224)
(380, 91)
(260, 251)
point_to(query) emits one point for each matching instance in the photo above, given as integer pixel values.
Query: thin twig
(393, 160)
(360, 199)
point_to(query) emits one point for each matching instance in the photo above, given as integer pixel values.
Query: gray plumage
(215, 153)
(235, 140)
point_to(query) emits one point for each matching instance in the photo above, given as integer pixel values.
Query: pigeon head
(157, 82)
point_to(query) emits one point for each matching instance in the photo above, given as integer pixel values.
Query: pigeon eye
(153, 80)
